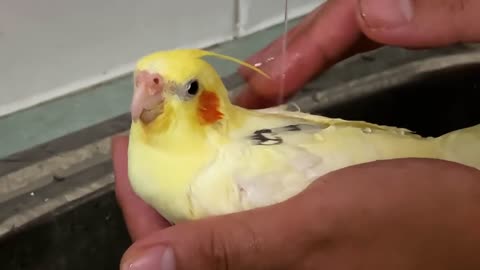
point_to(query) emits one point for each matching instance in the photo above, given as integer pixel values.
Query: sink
(72, 237)
(430, 96)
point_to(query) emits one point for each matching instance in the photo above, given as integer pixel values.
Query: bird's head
(179, 84)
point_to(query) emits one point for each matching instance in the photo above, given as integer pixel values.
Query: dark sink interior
(431, 105)
(90, 234)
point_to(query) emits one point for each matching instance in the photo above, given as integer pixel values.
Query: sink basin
(431, 96)
(73, 237)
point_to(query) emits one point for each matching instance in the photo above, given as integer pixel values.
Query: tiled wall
(49, 48)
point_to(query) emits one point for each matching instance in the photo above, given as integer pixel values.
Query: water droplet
(32, 193)
(259, 64)
(367, 130)
(292, 106)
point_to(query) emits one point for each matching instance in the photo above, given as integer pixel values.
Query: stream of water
(283, 61)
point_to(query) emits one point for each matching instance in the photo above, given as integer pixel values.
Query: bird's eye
(192, 88)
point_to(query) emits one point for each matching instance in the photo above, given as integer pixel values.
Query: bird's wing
(292, 111)
(277, 155)
(264, 167)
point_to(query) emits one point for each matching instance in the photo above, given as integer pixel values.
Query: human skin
(342, 28)
(398, 214)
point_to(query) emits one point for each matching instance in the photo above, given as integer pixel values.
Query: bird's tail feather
(462, 146)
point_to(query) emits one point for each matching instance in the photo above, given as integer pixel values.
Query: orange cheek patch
(208, 107)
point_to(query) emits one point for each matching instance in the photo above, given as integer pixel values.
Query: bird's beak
(147, 101)
(139, 97)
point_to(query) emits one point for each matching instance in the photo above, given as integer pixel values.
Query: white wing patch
(266, 167)
(297, 170)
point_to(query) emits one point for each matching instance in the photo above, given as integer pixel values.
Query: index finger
(328, 35)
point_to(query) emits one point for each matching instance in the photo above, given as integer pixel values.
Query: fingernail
(155, 258)
(386, 13)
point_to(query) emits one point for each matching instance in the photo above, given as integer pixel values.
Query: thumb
(420, 23)
(246, 240)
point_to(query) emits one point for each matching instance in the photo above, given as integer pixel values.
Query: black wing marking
(272, 136)
(265, 137)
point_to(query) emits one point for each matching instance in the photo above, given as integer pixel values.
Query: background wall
(49, 48)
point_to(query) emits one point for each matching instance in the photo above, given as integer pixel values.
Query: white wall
(49, 48)
(255, 15)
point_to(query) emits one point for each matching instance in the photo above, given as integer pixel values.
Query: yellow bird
(193, 154)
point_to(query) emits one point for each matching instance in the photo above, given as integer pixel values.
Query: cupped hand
(401, 214)
(341, 28)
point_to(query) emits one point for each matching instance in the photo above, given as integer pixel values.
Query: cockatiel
(193, 154)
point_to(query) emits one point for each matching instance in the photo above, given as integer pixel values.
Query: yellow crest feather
(202, 53)
(145, 63)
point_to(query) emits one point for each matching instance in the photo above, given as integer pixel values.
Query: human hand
(401, 214)
(341, 28)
